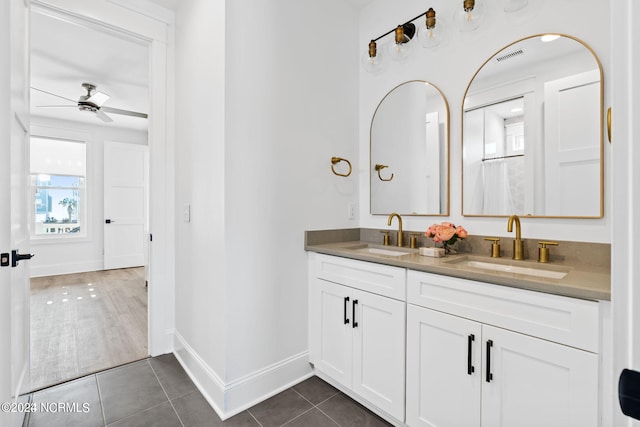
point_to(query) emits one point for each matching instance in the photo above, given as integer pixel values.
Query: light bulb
(401, 48)
(468, 17)
(431, 33)
(373, 58)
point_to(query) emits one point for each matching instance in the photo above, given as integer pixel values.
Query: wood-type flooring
(86, 322)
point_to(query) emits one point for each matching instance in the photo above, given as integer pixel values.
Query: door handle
(108, 221)
(346, 319)
(15, 257)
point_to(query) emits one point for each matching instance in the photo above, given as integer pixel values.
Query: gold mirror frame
(601, 132)
(375, 169)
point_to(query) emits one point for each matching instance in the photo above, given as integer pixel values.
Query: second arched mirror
(409, 157)
(532, 132)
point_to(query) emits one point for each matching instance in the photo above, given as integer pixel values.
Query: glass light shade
(373, 64)
(469, 15)
(514, 5)
(403, 42)
(431, 33)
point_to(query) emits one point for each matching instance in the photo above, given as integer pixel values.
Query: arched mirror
(532, 132)
(409, 163)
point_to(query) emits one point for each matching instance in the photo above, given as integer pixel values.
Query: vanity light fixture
(373, 59)
(469, 16)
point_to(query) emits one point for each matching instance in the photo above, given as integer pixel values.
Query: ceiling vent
(509, 55)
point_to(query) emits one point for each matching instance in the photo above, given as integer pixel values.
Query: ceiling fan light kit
(93, 102)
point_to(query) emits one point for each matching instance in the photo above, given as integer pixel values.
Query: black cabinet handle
(353, 313)
(489, 374)
(470, 368)
(346, 319)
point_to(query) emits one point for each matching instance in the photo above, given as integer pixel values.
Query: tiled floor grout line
(137, 413)
(104, 417)
(298, 416)
(254, 417)
(165, 393)
(317, 406)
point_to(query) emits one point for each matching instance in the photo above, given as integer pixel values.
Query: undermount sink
(379, 251)
(547, 272)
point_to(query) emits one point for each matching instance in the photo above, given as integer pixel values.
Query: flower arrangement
(446, 233)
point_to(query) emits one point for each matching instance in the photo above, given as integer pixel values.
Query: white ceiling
(65, 54)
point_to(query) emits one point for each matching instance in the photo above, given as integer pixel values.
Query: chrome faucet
(518, 247)
(400, 239)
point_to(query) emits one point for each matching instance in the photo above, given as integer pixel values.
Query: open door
(125, 205)
(14, 231)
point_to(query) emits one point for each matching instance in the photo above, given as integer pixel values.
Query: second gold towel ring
(379, 167)
(336, 160)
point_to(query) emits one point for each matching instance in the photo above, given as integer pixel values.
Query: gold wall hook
(336, 160)
(379, 167)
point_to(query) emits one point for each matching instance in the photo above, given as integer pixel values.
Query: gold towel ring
(379, 167)
(609, 124)
(336, 160)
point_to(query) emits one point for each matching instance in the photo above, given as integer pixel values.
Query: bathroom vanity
(442, 342)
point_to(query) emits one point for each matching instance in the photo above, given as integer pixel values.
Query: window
(58, 173)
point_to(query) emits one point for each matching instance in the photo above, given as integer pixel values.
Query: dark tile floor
(157, 392)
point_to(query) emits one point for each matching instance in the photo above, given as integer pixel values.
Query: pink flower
(461, 232)
(431, 231)
(445, 232)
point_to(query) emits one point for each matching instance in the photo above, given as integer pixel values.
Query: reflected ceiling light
(430, 34)
(469, 16)
(549, 38)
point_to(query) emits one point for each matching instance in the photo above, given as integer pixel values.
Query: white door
(331, 346)
(572, 144)
(537, 383)
(379, 351)
(14, 281)
(125, 205)
(444, 370)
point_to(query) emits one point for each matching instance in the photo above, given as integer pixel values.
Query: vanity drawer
(368, 276)
(564, 320)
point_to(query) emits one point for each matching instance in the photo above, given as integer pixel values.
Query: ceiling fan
(93, 102)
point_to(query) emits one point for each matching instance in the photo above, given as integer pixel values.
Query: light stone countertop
(584, 281)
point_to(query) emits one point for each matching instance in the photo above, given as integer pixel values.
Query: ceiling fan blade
(49, 93)
(102, 116)
(124, 112)
(56, 106)
(98, 98)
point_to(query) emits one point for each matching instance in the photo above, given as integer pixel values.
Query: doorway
(88, 314)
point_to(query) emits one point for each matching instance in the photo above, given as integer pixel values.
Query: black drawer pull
(346, 301)
(489, 374)
(353, 313)
(470, 368)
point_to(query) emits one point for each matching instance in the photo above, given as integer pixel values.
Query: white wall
(83, 254)
(451, 67)
(266, 95)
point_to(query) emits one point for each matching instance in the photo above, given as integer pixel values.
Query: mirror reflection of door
(545, 161)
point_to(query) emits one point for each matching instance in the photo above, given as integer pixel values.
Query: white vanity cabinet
(486, 355)
(357, 328)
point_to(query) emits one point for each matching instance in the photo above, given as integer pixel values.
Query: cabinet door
(331, 336)
(537, 383)
(379, 351)
(443, 369)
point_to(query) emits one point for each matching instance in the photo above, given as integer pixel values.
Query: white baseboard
(229, 399)
(65, 268)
